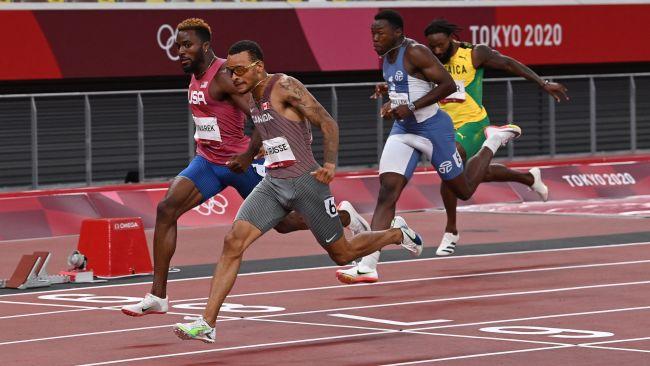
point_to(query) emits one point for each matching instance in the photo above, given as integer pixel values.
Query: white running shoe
(357, 223)
(198, 329)
(504, 133)
(149, 305)
(411, 240)
(539, 186)
(354, 275)
(448, 244)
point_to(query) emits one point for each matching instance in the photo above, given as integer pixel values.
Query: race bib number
(458, 96)
(397, 99)
(278, 153)
(206, 129)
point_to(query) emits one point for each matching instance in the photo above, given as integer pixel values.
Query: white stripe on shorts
(399, 149)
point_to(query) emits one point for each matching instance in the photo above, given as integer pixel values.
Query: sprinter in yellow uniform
(466, 63)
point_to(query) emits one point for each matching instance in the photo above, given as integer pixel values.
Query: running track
(578, 306)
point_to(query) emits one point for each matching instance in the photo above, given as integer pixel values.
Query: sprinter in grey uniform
(282, 110)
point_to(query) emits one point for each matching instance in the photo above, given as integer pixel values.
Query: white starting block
(31, 272)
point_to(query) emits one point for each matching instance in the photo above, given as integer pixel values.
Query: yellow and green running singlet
(465, 106)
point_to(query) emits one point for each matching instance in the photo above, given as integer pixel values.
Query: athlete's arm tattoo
(484, 56)
(296, 95)
(423, 60)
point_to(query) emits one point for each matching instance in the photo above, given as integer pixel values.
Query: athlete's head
(440, 34)
(246, 65)
(193, 43)
(387, 31)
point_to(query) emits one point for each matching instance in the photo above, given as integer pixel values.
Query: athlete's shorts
(434, 138)
(274, 198)
(471, 136)
(210, 178)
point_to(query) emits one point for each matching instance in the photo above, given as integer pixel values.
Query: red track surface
(586, 307)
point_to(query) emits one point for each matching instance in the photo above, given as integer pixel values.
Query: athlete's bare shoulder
(290, 88)
(418, 52)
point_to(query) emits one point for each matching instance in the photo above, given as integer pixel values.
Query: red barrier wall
(54, 213)
(119, 43)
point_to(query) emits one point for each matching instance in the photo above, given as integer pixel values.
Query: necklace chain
(394, 48)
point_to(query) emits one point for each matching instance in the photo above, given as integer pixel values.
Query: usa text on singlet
(219, 133)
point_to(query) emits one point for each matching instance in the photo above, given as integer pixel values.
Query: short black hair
(254, 50)
(441, 25)
(392, 17)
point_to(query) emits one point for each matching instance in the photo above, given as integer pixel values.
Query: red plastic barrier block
(115, 247)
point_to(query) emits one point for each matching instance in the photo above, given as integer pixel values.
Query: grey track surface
(312, 261)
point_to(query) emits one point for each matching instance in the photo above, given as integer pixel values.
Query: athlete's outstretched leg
(501, 173)
(181, 197)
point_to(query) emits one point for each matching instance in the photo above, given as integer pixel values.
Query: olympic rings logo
(215, 205)
(167, 44)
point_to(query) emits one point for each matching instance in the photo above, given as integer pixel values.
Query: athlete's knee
(233, 246)
(167, 209)
(388, 194)
(459, 192)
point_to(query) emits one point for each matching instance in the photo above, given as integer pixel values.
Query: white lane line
(550, 316)
(615, 341)
(458, 257)
(260, 345)
(46, 304)
(391, 322)
(488, 338)
(385, 283)
(618, 349)
(477, 355)
(84, 334)
(387, 331)
(429, 301)
(373, 306)
(338, 287)
(43, 313)
(415, 332)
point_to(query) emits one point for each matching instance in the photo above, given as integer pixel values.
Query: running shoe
(149, 305)
(198, 329)
(448, 244)
(411, 240)
(504, 133)
(357, 223)
(355, 275)
(538, 186)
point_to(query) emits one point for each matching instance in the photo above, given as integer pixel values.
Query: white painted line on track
(47, 304)
(84, 334)
(471, 297)
(43, 313)
(384, 283)
(615, 341)
(308, 340)
(457, 257)
(550, 316)
(488, 338)
(618, 349)
(477, 355)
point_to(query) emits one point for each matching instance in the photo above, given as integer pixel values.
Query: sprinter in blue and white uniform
(416, 81)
